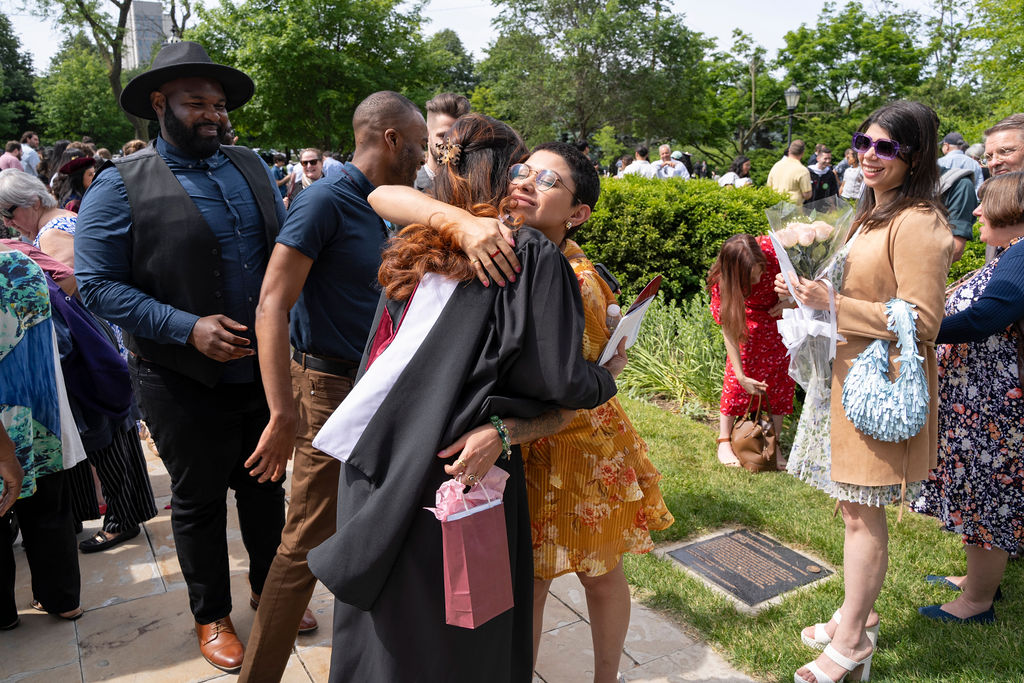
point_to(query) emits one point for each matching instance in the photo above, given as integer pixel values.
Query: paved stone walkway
(137, 625)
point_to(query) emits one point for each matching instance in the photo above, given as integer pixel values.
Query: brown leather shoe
(306, 625)
(220, 646)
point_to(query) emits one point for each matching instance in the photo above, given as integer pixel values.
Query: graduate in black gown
(468, 352)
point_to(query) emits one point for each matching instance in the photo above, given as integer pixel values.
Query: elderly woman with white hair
(111, 442)
(27, 206)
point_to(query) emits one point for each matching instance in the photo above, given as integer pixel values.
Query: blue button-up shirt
(103, 251)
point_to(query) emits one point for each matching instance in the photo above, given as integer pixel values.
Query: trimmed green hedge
(643, 227)
(973, 258)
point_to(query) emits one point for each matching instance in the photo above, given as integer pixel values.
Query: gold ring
(471, 477)
(474, 260)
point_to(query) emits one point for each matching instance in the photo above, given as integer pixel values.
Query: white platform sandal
(856, 671)
(821, 637)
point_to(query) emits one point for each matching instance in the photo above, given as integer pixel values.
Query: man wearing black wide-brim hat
(172, 243)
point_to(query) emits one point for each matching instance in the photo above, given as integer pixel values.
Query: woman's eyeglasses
(545, 180)
(884, 148)
(8, 213)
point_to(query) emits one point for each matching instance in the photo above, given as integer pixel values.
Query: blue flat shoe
(938, 614)
(946, 583)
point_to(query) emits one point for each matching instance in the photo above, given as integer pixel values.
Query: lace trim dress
(810, 459)
(593, 493)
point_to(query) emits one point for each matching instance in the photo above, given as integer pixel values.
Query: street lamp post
(792, 95)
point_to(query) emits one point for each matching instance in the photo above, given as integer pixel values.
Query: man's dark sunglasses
(310, 162)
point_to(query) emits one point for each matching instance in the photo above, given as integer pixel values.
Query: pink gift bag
(477, 574)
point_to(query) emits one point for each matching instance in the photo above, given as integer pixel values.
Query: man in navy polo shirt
(324, 271)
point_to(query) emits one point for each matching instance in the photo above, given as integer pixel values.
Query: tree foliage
(615, 72)
(452, 67)
(106, 22)
(573, 66)
(314, 61)
(1001, 30)
(74, 97)
(852, 58)
(748, 99)
(16, 88)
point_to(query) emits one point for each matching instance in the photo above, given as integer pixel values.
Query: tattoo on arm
(522, 430)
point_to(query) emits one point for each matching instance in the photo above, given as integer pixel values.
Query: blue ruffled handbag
(884, 410)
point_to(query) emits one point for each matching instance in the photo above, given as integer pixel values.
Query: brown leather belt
(332, 366)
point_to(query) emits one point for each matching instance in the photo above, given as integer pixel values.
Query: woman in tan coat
(903, 250)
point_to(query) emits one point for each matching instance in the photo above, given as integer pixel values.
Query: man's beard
(187, 139)
(408, 164)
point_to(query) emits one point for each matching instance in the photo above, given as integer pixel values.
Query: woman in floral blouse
(977, 490)
(592, 492)
(593, 495)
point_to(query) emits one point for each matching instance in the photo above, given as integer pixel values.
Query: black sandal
(67, 616)
(99, 541)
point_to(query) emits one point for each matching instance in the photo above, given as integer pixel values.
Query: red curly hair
(474, 176)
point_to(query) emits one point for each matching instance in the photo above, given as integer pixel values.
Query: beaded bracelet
(506, 440)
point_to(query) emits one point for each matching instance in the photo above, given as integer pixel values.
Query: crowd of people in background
(236, 337)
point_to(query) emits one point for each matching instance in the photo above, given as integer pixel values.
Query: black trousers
(47, 531)
(204, 437)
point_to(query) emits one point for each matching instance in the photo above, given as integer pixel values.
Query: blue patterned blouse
(29, 409)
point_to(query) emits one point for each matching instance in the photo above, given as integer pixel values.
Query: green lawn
(704, 496)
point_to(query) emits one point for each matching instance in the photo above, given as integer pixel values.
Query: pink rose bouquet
(807, 241)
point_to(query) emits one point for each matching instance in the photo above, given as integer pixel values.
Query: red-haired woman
(446, 355)
(744, 303)
(593, 493)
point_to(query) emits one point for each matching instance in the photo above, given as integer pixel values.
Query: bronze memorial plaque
(749, 565)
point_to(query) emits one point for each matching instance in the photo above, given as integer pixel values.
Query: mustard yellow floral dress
(593, 494)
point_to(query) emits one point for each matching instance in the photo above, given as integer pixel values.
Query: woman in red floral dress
(744, 303)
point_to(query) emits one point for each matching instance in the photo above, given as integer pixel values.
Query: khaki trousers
(312, 515)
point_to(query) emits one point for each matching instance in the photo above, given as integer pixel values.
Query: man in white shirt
(641, 165)
(667, 166)
(442, 112)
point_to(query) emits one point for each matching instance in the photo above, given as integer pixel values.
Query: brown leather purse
(753, 438)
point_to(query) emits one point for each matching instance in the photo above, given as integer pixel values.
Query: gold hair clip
(450, 153)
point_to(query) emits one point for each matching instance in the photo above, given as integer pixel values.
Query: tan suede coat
(909, 259)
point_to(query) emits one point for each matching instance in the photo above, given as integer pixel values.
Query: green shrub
(679, 356)
(642, 228)
(973, 258)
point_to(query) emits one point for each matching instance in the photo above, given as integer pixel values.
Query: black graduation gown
(512, 351)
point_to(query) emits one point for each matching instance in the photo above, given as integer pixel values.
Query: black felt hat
(183, 59)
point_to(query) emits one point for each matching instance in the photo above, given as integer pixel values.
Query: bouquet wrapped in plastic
(807, 240)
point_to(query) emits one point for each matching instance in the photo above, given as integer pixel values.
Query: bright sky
(767, 22)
